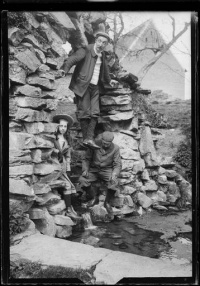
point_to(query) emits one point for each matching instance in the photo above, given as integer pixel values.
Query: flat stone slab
(39, 248)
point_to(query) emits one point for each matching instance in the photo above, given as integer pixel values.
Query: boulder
(20, 187)
(56, 208)
(144, 200)
(161, 171)
(61, 24)
(17, 156)
(63, 220)
(15, 36)
(27, 90)
(138, 166)
(127, 209)
(129, 154)
(48, 199)
(126, 115)
(63, 231)
(17, 74)
(46, 225)
(29, 59)
(146, 143)
(124, 141)
(21, 170)
(39, 127)
(20, 140)
(34, 103)
(98, 213)
(30, 115)
(43, 83)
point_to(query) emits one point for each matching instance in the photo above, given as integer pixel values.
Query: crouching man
(103, 164)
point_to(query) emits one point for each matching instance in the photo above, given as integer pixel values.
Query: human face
(101, 43)
(106, 144)
(62, 127)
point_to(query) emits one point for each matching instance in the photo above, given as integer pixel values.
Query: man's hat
(107, 136)
(66, 117)
(102, 34)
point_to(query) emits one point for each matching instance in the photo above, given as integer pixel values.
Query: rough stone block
(37, 213)
(16, 73)
(63, 220)
(124, 141)
(98, 213)
(124, 181)
(40, 155)
(120, 91)
(138, 166)
(39, 127)
(57, 48)
(15, 36)
(57, 208)
(23, 204)
(170, 173)
(40, 189)
(151, 161)
(129, 154)
(127, 209)
(16, 126)
(166, 162)
(128, 201)
(29, 59)
(161, 196)
(21, 170)
(151, 185)
(119, 100)
(46, 74)
(127, 165)
(20, 187)
(145, 175)
(118, 201)
(30, 115)
(49, 178)
(146, 143)
(19, 156)
(30, 230)
(126, 115)
(46, 225)
(12, 107)
(128, 190)
(48, 199)
(43, 83)
(45, 168)
(62, 20)
(29, 102)
(28, 90)
(33, 41)
(144, 200)
(40, 55)
(19, 140)
(63, 231)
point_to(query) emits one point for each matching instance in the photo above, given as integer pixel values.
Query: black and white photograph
(101, 186)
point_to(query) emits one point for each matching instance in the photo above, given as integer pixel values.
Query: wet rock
(91, 240)
(144, 200)
(57, 208)
(21, 170)
(15, 36)
(63, 231)
(49, 198)
(151, 185)
(39, 127)
(43, 83)
(40, 189)
(20, 187)
(45, 168)
(28, 90)
(129, 154)
(29, 59)
(63, 220)
(30, 115)
(37, 212)
(46, 225)
(124, 141)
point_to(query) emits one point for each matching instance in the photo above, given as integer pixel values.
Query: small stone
(63, 231)
(43, 83)
(160, 208)
(170, 173)
(49, 198)
(20, 187)
(28, 90)
(162, 179)
(56, 208)
(161, 171)
(145, 175)
(144, 200)
(29, 59)
(37, 213)
(138, 166)
(128, 190)
(128, 201)
(151, 185)
(46, 225)
(30, 115)
(161, 196)
(98, 213)
(40, 189)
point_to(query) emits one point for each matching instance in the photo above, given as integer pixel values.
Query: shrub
(16, 19)
(17, 220)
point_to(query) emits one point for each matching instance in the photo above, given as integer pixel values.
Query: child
(63, 151)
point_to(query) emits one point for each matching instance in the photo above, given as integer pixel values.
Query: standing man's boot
(89, 142)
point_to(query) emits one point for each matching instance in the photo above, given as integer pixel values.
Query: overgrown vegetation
(16, 19)
(25, 269)
(17, 220)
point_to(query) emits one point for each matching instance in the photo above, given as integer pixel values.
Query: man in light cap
(90, 76)
(104, 164)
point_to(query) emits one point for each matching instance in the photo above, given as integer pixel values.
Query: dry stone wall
(37, 90)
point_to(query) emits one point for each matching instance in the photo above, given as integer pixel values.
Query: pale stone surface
(63, 220)
(151, 185)
(124, 181)
(30, 115)
(39, 127)
(34, 103)
(63, 231)
(129, 154)
(120, 116)
(20, 187)
(128, 201)
(171, 173)
(15, 36)
(49, 198)
(144, 200)
(120, 91)
(21, 170)
(166, 162)
(127, 165)
(150, 160)
(40, 189)
(17, 156)
(43, 83)
(29, 59)
(111, 100)
(17, 74)
(127, 209)
(134, 124)
(37, 213)
(125, 141)
(146, 143)
(138, 166)
(128, 190)
(16, 126)
(45, 168)
(33, 41)
(117, 201)
(56, 208)
(161, 196)
(145, 175)
(20, 140)
(28, 90)
(23, 205)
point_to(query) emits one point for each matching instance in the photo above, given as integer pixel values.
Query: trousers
(88, 105)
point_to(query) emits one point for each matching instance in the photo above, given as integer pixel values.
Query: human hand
(113, 82)
(85, 174)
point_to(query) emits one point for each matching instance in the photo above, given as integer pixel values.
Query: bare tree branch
(146, 68)
(173, 25)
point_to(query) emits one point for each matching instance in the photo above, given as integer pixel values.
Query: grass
(30, 270)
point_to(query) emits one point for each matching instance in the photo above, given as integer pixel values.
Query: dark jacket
(106, 160)
(85, 60)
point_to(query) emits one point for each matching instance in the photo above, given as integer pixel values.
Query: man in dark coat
(90, 75)
(103, 164)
